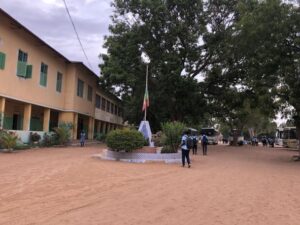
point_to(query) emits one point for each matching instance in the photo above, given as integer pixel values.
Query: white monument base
(146, 131)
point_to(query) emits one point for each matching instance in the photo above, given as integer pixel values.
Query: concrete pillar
(102, 127)
(46, 122)
(91, 128)
(98, 126)
(2, 111)
(69, 117)
(27, 117)
(75, 126)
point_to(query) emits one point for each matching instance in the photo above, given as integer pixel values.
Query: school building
(40, 88)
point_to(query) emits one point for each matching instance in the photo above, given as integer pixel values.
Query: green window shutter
(29, 71)
(43, 79)
(21, 69)
(2, 60)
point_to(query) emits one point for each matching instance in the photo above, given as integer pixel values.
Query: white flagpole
(146, 91)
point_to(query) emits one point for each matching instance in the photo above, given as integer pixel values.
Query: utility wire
(67, 9)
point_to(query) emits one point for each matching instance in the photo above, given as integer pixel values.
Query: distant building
(39, 87)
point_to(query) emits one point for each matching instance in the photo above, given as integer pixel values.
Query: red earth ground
(232, 185)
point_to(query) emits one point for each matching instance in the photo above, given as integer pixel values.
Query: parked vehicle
(290, 139)
(212, 135)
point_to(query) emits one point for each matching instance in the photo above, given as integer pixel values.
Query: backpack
(189, 142)
(194, 141)
(204, 140)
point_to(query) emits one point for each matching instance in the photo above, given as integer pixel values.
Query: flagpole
(145, 116)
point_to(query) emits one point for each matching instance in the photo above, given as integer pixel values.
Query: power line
(68, 12)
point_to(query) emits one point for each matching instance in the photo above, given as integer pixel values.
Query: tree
(169, 32)
(273, 57)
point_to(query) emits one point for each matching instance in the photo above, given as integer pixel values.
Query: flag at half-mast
(146, 100)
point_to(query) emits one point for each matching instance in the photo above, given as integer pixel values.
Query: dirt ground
(229, 186)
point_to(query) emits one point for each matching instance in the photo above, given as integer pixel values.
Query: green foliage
(158, 139)
(168, 149)
(100, 136)
(22, 146)
(50, 139)
(127, 140)
(63, 132)
(169, 32)
(246, 51)
(172, 132)
(9, 141)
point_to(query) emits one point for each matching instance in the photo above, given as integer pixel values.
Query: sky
(49, 20)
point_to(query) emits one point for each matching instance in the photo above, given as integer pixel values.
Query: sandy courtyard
(230, 186)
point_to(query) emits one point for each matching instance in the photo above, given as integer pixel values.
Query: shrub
(49, 139)
(22, 146)
(63, 132)
(172, 132)
(9, 141)
(158, 139)
(168, 149)
(34, 137)
(2, 133)
(100, 136)
(127, 140)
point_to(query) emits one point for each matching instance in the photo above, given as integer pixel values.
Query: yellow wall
(29, 90)
(20, 92)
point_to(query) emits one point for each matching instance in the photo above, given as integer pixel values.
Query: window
(22, 57)
(90, 93)
(98, 101)
(59, 82)
(43, 75)
(108, 106)
(2, 61)
(23, 70)
(80, 87)
(103, 104)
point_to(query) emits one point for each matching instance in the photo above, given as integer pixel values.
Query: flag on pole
(146, 100)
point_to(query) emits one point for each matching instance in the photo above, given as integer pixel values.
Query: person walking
(82, 138)
(195, 141)
(185, 148)
(204, 142)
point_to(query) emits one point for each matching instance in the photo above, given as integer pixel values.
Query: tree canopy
(227, 59)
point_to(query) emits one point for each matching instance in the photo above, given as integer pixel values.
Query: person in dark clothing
(204, 142)
(185, 149)
(195, 141)
(82, 138)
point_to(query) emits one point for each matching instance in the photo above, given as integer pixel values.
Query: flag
(146, 100)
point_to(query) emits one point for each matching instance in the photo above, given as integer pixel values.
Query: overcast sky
(49, 20)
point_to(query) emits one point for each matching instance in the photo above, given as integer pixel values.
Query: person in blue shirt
(185, 149)
(204, 142)
(195, 141)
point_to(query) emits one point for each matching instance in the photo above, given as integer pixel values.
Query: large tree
(169, 33)
(269, 34)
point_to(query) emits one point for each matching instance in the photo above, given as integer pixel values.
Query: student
(204, 142)
(82, 138)
(185, 148)
(195, 141)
